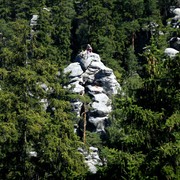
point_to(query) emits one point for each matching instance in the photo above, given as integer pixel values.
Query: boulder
(171, 52)
(75, 87)
(34, 20)
(176, 11)
(32, 154)
(74, 69)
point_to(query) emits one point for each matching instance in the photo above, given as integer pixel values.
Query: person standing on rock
(84, 54)
(89, 49)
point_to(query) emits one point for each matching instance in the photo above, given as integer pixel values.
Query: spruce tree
(37, 138)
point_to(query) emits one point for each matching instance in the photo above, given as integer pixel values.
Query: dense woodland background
(142, 139)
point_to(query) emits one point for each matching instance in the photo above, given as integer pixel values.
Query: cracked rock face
(88, 75)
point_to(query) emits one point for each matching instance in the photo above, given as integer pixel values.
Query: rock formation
(176, 18)
(88, 75)
(175, 43)
(171, 52)
(34, 20)
(91, 158)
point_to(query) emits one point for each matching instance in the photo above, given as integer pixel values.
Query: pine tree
(36, 141)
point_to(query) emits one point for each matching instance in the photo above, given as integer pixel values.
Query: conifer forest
(139, 40)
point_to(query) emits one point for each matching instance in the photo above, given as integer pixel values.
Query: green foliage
(135, 130)
(93, 139)
(142, 141)
(29, 60)
(121, 165)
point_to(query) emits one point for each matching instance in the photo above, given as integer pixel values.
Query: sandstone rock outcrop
(88, 75)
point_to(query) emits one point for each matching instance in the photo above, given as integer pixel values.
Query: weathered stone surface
(175, 20)
(78, 79)
(75, 87)
(176, 11)
(44, 103)
(101, 104)
(85, 59)
(88, 78)
(91, 158)
(32, 154)
(109, 82)
(34, 20)
(100, 108)
(171, 52)
(175, 43)
(74, 69)
(94, 89)
(99, 122)
(96, 65)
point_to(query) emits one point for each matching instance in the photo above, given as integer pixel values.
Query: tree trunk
(133, 39)
(84, 130)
